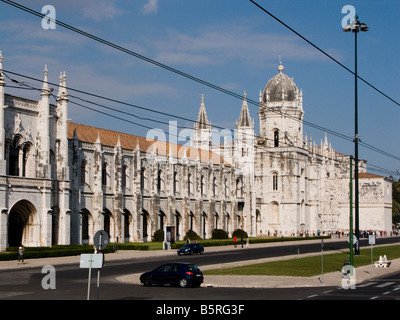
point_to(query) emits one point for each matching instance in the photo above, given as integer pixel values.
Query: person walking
(235, 241)
(20, 254)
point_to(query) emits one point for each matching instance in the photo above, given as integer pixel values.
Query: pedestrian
(20, 254)
(235, 241)
(241, 241)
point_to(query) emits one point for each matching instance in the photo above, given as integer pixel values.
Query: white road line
(385, 284)
(365, 284)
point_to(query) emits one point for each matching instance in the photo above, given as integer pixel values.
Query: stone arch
(145, 225)
(127, 222)
(258, 223)
(87, 226)
(21, 224)
(107, 222)
(274, 206)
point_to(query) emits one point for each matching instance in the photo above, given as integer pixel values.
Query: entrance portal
(21, 214)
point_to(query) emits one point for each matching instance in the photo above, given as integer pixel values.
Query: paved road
(25, 282)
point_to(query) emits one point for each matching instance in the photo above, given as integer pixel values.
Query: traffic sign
(371, 239)
(91, 260)
(101, 239)
(354, 239)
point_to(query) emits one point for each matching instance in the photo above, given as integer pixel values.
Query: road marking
(312, 296)
(385, 284)
(376, 297)
(387, 292)
(365, 284)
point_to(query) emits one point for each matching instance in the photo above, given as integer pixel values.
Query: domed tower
(281, 112)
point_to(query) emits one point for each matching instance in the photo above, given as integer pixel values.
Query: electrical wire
(24, 85)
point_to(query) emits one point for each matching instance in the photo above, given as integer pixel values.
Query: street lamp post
(355, 27)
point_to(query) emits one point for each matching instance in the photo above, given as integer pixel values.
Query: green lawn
(309, 266)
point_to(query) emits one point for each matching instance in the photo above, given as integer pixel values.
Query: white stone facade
(60, 181)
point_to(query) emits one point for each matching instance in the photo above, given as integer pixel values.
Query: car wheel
(147, 282)
(183, 283)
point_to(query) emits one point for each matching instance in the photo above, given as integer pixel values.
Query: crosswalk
(370, 290)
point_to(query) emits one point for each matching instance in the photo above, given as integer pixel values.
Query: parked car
(191, 248)
(177, 273)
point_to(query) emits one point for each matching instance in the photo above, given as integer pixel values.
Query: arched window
(276, 138)
(275, 181)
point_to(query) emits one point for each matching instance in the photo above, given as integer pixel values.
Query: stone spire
(244, 118)
(202, 120)
(45, 87)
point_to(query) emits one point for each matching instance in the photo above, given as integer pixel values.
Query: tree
(396, 201)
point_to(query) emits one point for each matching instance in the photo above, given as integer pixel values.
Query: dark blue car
(176, 273)
(191, 248)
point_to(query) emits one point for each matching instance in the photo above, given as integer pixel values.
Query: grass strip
(309, 266)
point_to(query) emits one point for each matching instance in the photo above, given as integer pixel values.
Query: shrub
(219, 234)
(158, 235)
(239, 233)
(191, 235)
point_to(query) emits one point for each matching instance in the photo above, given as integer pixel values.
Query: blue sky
(229, 43)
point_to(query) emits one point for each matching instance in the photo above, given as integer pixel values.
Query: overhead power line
(206, 83)
(368, 146)
(325, 53)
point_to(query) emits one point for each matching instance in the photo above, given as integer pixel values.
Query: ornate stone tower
(281, 112)
(202, 129)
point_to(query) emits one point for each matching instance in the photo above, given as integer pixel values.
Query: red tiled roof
(129, 141)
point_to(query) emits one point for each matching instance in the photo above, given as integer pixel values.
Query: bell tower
(281, 112)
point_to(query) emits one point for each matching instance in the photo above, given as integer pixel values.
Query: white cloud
(221, 46)
(151, 6)
(100, 10)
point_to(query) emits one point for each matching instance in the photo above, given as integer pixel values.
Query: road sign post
(91, 261)
(371, 240)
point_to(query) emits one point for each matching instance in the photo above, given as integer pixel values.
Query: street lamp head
(364, 27)
(355, 26)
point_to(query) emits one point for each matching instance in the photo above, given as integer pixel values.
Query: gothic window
(275, 181)
(104, 175)
(143, 179)
(13, 158)
(159, 181)
(175, 182)
(190, 184)
(239, 188)
(214, 187)
(26, 159)
(226, 188)
(83, 171)
(202, 186)
(123, 178)
(191, 220)
(276, 138)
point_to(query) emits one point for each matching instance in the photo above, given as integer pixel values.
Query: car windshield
(193, 268)
(188, 245)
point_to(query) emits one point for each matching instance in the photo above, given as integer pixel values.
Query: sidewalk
(329, 279)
